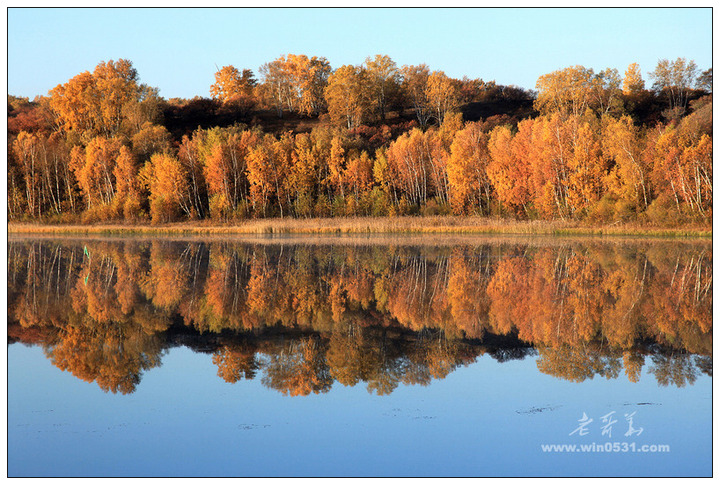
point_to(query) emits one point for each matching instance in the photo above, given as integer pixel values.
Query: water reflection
(303, 316)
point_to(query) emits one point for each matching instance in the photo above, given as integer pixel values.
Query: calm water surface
(378, 356)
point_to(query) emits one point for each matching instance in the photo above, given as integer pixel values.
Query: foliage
(102, 146)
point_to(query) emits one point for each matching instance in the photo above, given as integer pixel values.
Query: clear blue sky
(177, 50)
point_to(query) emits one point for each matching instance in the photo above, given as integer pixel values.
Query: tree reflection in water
(303, 316)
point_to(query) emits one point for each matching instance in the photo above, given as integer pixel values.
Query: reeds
(367, 225)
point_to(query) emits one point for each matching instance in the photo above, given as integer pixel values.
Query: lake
(359, 356)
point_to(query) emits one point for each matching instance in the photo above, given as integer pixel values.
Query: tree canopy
(373, 139)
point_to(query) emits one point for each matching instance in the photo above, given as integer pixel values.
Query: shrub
(624, 210)
(132, 209)
(379, 202)
(304, 205)
(663, 211)
(603, 210)
(219, 208)
(242, 211)
(338, 206)
(322, 206)
(98, 213)
(405, 208)
(351, 206)
(162, 210)
(434, 207)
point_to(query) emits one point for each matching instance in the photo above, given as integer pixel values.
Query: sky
(179, 50)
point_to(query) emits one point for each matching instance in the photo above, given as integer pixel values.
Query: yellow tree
(260, 175)
(682, 165)
(633, 83)
(117, 85)
(321, 141)
(586, 165)
(624, 145)
(469, 184)
(567, 91)
(347, 96)
(27, 152)
(147, 107)
(276, 86)
(408, 161)
(606, 92)
(509, 169)
(414, 87)
(442, 94)
(75, 105)
(437, 145)
(268, 170)
(167, 183)
(304, 176)
(697, 164)
(311, 77)
(417, 164)
(551, 164)
(150, 139)
(384, 82)
(189, 156)
(232, 86)
(93, 104)
(359, 173)
(296, 83)
(94, 170)
(336, 166)
(128, 200)
(675, 79)
(384, 176)
(58, 179)
(224, 155)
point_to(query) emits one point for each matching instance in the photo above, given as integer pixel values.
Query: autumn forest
(301, 139)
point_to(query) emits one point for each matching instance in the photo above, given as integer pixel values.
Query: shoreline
(427, 225)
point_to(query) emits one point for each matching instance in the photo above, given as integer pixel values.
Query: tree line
(368, 140)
